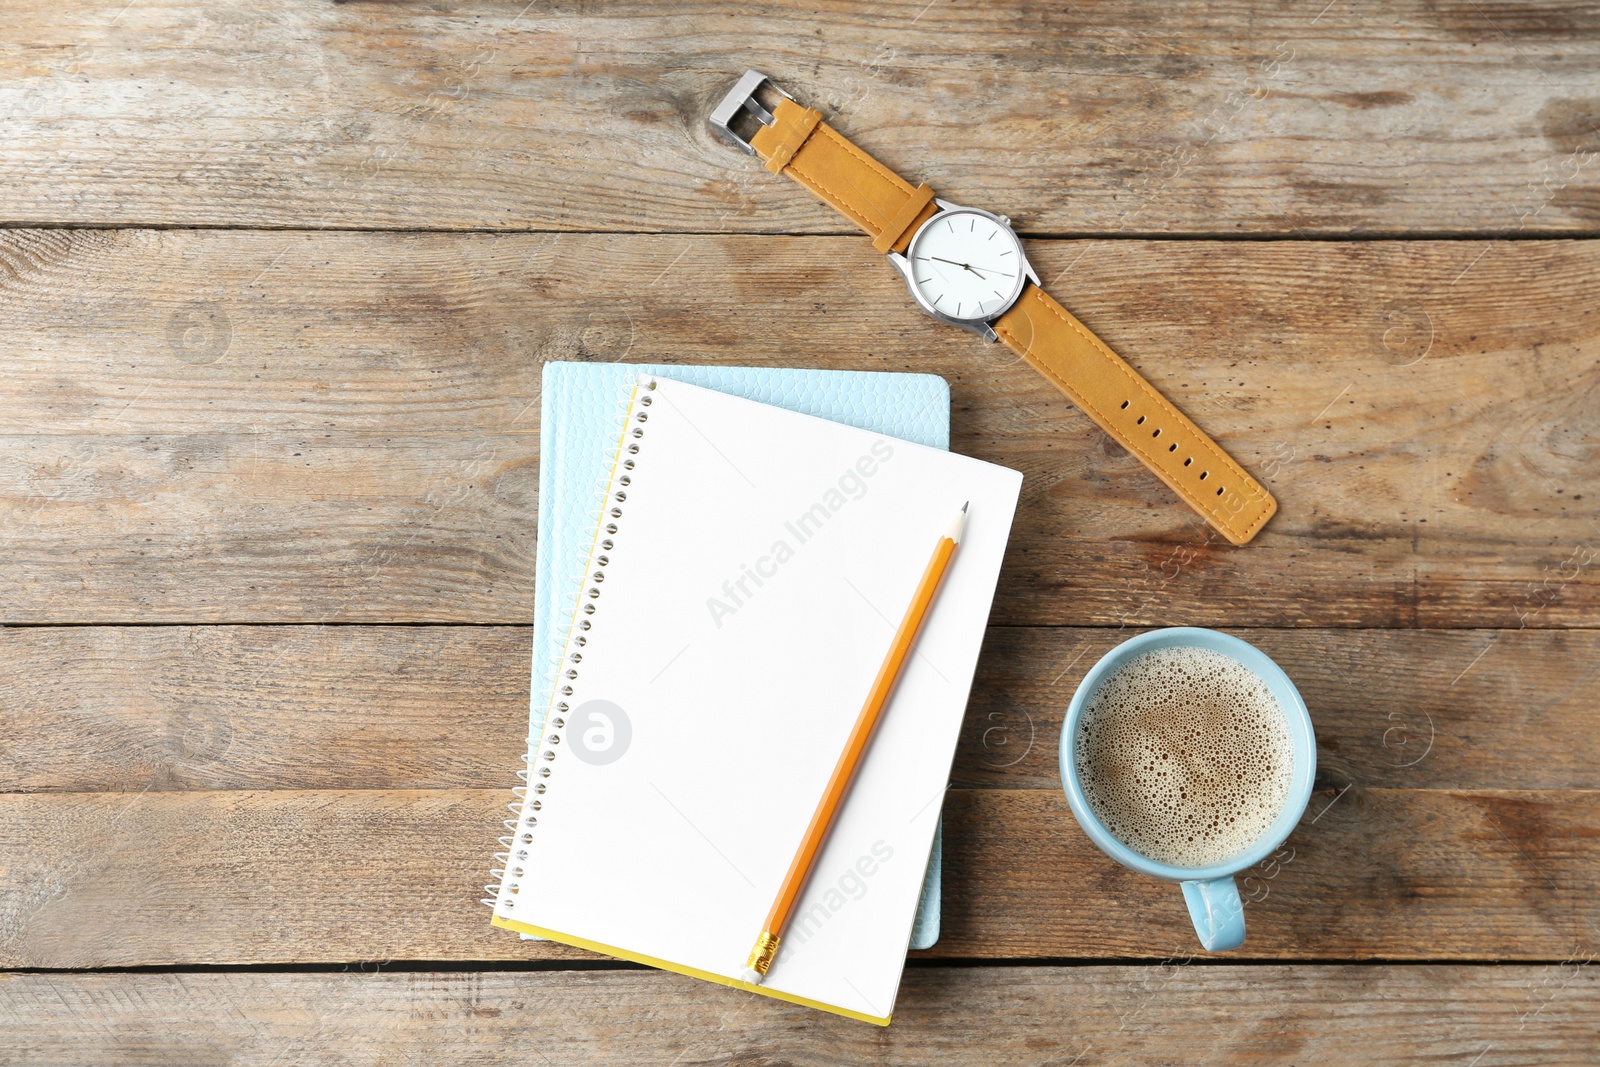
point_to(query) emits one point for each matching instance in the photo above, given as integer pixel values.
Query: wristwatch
(966, 267)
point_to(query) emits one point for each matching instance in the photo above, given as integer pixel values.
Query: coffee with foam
(1185, 756)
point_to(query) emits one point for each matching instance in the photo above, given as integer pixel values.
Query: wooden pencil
(766, 946)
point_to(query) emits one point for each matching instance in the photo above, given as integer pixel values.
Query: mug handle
(1217, 913)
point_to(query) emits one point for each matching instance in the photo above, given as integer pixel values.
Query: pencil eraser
(752, 976)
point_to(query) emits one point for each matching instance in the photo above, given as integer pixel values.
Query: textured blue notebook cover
(580, 403)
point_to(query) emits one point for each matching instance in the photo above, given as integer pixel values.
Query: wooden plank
(132, 879)
(124, 709)
(244, 527)
(1250, 1016)
(250, 877)
(250, 426)
(1398, 709)
(1125, 118)
(262, 707)
(1370, 873)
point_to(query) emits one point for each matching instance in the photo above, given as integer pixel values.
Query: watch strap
(889, 209)
(875, 198)
(1129, 408)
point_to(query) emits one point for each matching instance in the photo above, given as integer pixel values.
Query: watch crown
(1006, 219)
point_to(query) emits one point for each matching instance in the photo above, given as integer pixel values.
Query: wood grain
(1250, 1016)
(124, 710)
(308, 528)
(218, 408)
(127, 709)
(1400, 709)
(181, 878)
(1369, 873)
(260, 427)
(1363, 117)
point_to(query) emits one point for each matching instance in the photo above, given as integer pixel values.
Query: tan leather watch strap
(1127, 407)
(798, 143)
(857, 186)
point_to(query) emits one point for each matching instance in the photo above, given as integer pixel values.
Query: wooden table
(278, 280)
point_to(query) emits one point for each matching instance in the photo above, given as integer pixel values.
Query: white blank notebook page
(761, 562)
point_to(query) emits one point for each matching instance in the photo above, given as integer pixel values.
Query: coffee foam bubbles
(1185, 756)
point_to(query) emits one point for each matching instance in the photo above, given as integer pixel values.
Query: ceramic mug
(1210, 892)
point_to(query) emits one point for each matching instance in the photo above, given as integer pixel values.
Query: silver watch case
(981, 326)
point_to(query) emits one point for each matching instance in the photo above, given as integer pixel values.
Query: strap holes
(1141, 420)
(1204, 475)
(1172, 448)
(1125, 405)
(1156, 434)
(1220, 492)
(1188, 461)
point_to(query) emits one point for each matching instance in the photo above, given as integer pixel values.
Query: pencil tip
(958, 524)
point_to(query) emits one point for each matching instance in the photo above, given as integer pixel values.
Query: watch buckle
(742, 97)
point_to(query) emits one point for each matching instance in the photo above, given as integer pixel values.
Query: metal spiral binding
(541, 751)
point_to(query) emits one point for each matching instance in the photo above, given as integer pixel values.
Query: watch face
(966, 265)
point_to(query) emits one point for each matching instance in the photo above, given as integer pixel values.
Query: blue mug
(1212, 896)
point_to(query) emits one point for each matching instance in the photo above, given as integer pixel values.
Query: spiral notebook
(744, 578)
(578, 401)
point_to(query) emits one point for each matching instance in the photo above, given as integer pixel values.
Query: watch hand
(980, 271)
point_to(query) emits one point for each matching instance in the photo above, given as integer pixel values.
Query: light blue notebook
(580, 403)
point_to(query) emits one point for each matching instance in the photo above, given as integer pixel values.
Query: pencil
(855, 747)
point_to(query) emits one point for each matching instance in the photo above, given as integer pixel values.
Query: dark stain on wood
(1571, 122)
(1368, 101)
